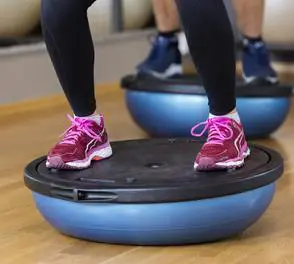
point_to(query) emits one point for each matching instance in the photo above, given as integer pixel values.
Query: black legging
(209, 34)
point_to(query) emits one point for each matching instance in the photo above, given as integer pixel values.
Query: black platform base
(192, 84)
(153, 171)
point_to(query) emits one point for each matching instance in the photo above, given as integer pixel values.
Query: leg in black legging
(211, 42)
(68, 39)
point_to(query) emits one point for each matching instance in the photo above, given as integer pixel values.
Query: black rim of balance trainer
(192, 84)
(153, 171)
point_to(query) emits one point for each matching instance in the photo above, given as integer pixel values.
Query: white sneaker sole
(272, 80)
(99, 155)
(173, 69)
(56, 162)
(229, 164)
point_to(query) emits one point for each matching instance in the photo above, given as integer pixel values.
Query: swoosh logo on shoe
(90, 145)
(238, 142)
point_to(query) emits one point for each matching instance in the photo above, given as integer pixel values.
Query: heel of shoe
(246, 153)
(103, 153)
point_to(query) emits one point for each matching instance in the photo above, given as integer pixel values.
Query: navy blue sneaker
(164, 59)
(256, 63)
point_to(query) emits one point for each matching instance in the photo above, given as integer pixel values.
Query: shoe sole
(98, 155)
(173, 69)
(231, 164)
(272, 80)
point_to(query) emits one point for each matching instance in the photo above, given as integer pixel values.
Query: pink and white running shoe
(81, 143)
(226, 146)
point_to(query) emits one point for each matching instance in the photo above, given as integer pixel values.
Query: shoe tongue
(215, 134)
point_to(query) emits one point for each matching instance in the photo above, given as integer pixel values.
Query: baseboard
(46, 103)
(26, 72)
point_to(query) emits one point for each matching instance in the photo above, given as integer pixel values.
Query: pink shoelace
(218, 130)
(77, 128)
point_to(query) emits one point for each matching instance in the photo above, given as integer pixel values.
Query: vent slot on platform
(83, 195)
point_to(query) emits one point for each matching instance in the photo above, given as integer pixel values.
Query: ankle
(252, 40)
(168, 33)
(233, 115)
(94, 117)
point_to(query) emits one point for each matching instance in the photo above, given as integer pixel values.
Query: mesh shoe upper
(79, 139)
(163, 54)
(226, 141)
(256, 61)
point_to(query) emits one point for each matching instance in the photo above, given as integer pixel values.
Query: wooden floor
(26, 238)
